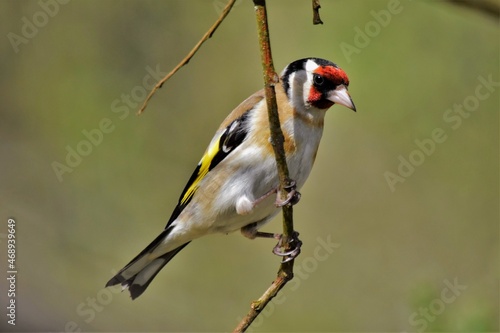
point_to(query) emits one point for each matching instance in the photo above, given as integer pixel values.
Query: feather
(221, 146)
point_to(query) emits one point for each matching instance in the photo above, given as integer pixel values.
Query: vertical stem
(270, 79)
(277, 139)
(285, 272)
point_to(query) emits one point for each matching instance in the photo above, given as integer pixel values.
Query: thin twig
(285, 272)
(491, 8)
(184, 61)
(316, 17)
(257, 306)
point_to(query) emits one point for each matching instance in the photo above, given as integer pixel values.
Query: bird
(235, 184)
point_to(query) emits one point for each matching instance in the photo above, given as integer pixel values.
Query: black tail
(140, 271)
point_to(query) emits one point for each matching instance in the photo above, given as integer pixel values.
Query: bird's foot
(292, 197)
(294, 242)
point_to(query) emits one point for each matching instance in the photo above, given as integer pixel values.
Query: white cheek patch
(307, 87)
(300, 85)
(310, 67)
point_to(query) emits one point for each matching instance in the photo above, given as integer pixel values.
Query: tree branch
(285, 272)
(490, 8)
(316, 7)
(184, 61)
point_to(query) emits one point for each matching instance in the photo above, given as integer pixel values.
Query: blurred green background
(421, 254)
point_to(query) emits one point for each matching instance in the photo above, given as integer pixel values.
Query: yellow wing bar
(203, 169)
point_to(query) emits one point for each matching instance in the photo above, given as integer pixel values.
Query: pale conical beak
(342, 97)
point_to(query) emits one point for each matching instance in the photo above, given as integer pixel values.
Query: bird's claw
(293, 253)
(292, 197)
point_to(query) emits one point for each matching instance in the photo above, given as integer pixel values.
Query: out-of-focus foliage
(420, 256)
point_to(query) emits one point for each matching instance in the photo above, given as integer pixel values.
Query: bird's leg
(292, 197)
(251, 232)
(245, 205)
(265, 196)
(293, 253)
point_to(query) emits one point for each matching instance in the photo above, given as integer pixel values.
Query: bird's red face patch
(316, 99)
(325, 79)
(333, 74)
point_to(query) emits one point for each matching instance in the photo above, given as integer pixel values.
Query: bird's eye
(318, 79)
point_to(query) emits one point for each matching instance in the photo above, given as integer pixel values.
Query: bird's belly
(226, 223)
(250, 184)
(217, 198)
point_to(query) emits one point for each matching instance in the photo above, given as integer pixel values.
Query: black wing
(234, 134)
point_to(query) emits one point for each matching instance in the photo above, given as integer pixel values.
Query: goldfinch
(235, 183)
